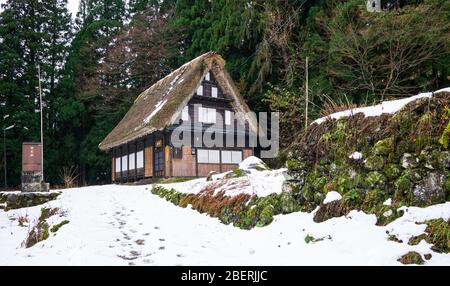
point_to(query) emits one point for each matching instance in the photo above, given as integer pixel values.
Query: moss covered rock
(374, 163)
(384, 147)
(411, 257)
(404, 160)
(430, 191)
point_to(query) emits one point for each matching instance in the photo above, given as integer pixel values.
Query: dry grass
(212, 199)
(69, 176)
(331, 106)
(23, 220)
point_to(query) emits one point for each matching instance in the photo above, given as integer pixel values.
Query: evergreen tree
(97, 23)
(33, 33)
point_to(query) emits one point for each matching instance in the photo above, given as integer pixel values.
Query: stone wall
(404, 157)
(18, 200)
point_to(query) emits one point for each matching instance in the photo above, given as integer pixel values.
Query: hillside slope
(397, 150)
(127, 225)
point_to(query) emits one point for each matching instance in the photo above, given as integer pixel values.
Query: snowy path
(124, 225)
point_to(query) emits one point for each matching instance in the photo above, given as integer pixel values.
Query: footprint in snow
(147, 261)
(124, 257)
(140, 242)
(135, 253)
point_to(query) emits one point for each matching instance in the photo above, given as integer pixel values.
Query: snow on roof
(391, 106)
(159, 105)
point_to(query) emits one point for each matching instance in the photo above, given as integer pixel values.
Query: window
(177, 153)
(117, 165)
(158, 161)
(185, 114)
(200, 90)
(140, 159)
(132, 161)
(227, 117)
(207, 77)
(206, 115)
(211, 115)
(236, 157)
(214, 156)
(226, 157)
(214, 91)
(202, 156)
(208, 156)
(124, 163)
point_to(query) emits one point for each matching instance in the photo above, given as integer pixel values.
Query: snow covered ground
(123, 225)
(253, 182)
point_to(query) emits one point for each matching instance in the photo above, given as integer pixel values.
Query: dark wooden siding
(185, 166)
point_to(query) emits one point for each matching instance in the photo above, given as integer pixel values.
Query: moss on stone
(411, 257)
(392, 171)
(287, 203)
(400, 151)
(374, 179)
(56, 227)
(402, 187)
(444, 139)
(374, 198)
(354, 195)
(384, 147)
(447, 187)
(238, 172)
(309, 238)
(47, 212)
(295, 165)
(344, 184)
(394, 238)
(266, 216)
(414, 240)
(374, 163)
(249, 212)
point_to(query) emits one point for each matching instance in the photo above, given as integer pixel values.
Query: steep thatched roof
(161, 104)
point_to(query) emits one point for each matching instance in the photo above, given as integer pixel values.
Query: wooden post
(42, 125)
(306, 93)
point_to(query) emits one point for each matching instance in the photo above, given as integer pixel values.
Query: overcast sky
(73, 6)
